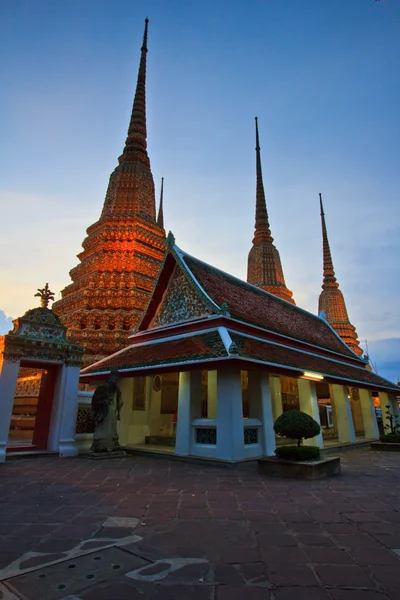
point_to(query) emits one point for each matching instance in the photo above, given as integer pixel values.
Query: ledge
(310, 469)
(386, 446)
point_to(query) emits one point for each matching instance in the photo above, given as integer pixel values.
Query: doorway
(33, 403)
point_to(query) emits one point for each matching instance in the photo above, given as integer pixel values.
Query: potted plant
(297, 425)
(390, 440)
(298, 461)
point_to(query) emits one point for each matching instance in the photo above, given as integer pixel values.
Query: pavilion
(204, 368)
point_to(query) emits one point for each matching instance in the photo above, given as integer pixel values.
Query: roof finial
(329, 273)
(160, 218)
(262, 224)
(45, 296)
(137, 133)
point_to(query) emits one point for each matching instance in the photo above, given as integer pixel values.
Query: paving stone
(328, 556)
(311, 539)
(343, 575)
(296, 593)
(374, 556)
(388, 576)
(282, 554)
(229, 592)
(356, 595)
(288, 574)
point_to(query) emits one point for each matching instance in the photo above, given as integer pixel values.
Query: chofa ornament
(45, 296)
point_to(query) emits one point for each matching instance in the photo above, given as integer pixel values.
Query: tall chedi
(331, 301)
(264, 268)
(123, 250)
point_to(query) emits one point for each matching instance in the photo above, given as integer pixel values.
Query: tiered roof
(200, 317)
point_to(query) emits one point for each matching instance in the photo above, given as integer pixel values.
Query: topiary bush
(298, 452)
(296, 425)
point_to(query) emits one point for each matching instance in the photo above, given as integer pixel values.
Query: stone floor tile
(312, 539)
(334, 556)
(296, 593)
(343, 575)
(374, 556)
(356, 595)
(284, 539)
(287, 555)
(388, 576)
(288, 574)
(228, 592)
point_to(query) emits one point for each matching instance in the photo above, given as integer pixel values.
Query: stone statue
(106, 408)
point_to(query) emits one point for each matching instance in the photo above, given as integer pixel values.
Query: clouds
(5, 323)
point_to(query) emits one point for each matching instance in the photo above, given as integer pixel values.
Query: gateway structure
(206, 363)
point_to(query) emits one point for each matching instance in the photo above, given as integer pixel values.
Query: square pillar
(211, 394)
(189, 408)
(8, 383)
(260, 407)
(342, 408)
(309, 404)
(230, 436)
(65, 408)
(368, 415)
(276, 396)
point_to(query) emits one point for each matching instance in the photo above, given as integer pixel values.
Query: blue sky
(322, 77)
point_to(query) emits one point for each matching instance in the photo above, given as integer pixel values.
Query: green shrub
(388, 438)
(296, 425)
(298, 452)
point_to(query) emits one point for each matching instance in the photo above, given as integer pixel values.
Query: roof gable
(180, 302)
(177, 296)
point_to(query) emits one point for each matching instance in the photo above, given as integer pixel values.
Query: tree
(296, 425)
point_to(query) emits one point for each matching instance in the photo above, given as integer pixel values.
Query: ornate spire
(160, 217)
(137, 133)
(264, 264)
(130, 191)
(262, 229)
(331, 301)
(329, 273)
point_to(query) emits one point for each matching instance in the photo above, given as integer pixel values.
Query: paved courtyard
(141, 528)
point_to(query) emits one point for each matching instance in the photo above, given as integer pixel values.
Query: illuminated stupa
(123, 250)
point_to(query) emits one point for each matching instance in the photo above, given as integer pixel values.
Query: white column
(276, 396)
(230, 437)
(344, 419)
(368, 414)
(8, 383)
(211, 394)
(65, 408)
(260, 407)
(189, 407)
(308, 402)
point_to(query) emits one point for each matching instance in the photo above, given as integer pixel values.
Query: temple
(202, 374)
(264, 268)
(123, 250)
(331, 301)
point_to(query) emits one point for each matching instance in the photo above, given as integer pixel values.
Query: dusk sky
(321, 75)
